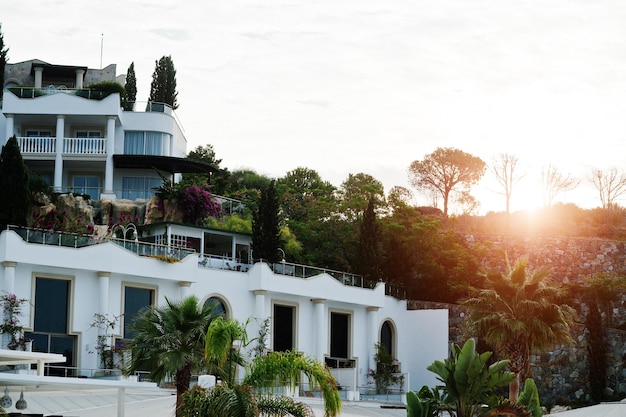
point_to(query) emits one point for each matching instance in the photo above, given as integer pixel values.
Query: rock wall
(561, 374)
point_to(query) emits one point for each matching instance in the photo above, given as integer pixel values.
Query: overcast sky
(348, 86)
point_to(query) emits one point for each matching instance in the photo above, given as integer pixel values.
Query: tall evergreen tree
(163, 87)
(4, 57)
(266, 226)
(130, 87)
(14, 189)
(370, 247)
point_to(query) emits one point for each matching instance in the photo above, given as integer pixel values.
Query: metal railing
(305, 271)
(33, 92)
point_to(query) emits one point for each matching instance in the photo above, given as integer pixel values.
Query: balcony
(33, 92)
(71, 146)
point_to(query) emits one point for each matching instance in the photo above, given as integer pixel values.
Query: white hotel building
(81, 142)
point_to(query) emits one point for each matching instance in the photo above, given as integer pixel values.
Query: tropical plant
(529, 398)
(424, 403)
(469, 381)
(168, 341)
(255, 395)
(519, 312)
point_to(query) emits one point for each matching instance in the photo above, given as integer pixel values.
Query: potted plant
(386, 373)
(10, 326)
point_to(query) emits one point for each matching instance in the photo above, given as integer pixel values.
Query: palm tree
(518, 313)
(254, 396)
(169, 341)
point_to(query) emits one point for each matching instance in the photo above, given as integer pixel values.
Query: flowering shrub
(197, 204)
(60, 221)
(12, 308)
(106, 324)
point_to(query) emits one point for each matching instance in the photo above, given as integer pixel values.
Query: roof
(58, 70)
(163, 163)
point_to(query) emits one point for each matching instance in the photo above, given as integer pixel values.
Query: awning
(163, 163)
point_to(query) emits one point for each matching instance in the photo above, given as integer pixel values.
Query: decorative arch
(223, 303)
(388, 336)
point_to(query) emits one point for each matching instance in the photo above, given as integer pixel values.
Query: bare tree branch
(610, 184)
(505, 170)
(554, 183)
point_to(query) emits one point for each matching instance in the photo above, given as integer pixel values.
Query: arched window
(220, 306)
(387, 337)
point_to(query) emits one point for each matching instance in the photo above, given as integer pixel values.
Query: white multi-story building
(93, 146)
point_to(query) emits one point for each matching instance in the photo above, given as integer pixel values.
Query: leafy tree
(554, 183)
(357, 191)
(300, 190)
(469, 380)
(430, 261)
(266, 226)
(610, 183)
(399, 196)
(518, 313)
(163, 86)
(130, 87)
(14, 185)
(169, 342)
(218, 181)
(4, 58)
(505, 170)
(446, 170)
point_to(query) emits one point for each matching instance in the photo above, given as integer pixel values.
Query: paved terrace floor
(153, 403)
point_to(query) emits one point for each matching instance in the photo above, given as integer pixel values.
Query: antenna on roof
(101, 46)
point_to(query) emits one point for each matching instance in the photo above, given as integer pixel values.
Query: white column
(103, 292)
(79, 78)
(372, 336)
(259, 312)
(58, 160)
(321, 333)
(110, 146)
(9, 127)
(9, 276)
(234, 249)
(121, 392)
(259, 305)
(184, 289)
(38, 76)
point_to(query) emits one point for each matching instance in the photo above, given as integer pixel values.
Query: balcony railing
(33, 92)
(37, 145)
(74, 240)
(71, 146)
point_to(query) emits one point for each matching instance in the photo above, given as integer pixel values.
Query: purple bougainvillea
(197, 204)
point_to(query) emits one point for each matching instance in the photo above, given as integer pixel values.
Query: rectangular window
(51, 322)
(88, 134)
(87, 184)
(339, 335)
(135, 299)
(145, 143)
(283, 330)
(39, 133)
(134, 188)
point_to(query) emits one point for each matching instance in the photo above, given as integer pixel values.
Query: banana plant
(468, 380)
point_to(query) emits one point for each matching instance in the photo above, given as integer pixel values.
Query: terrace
(173, 253)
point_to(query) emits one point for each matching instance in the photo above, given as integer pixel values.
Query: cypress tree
(4, 57)
(130, 87)
(369, 246)
(14, 189)
(266, 226)
(163, 87)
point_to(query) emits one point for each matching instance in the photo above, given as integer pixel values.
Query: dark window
(283, 333)
(386, 337)
(220, 307)
(134, 300)
(50, 331)
(339, 335)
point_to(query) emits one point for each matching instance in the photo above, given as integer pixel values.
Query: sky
(350, 86)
